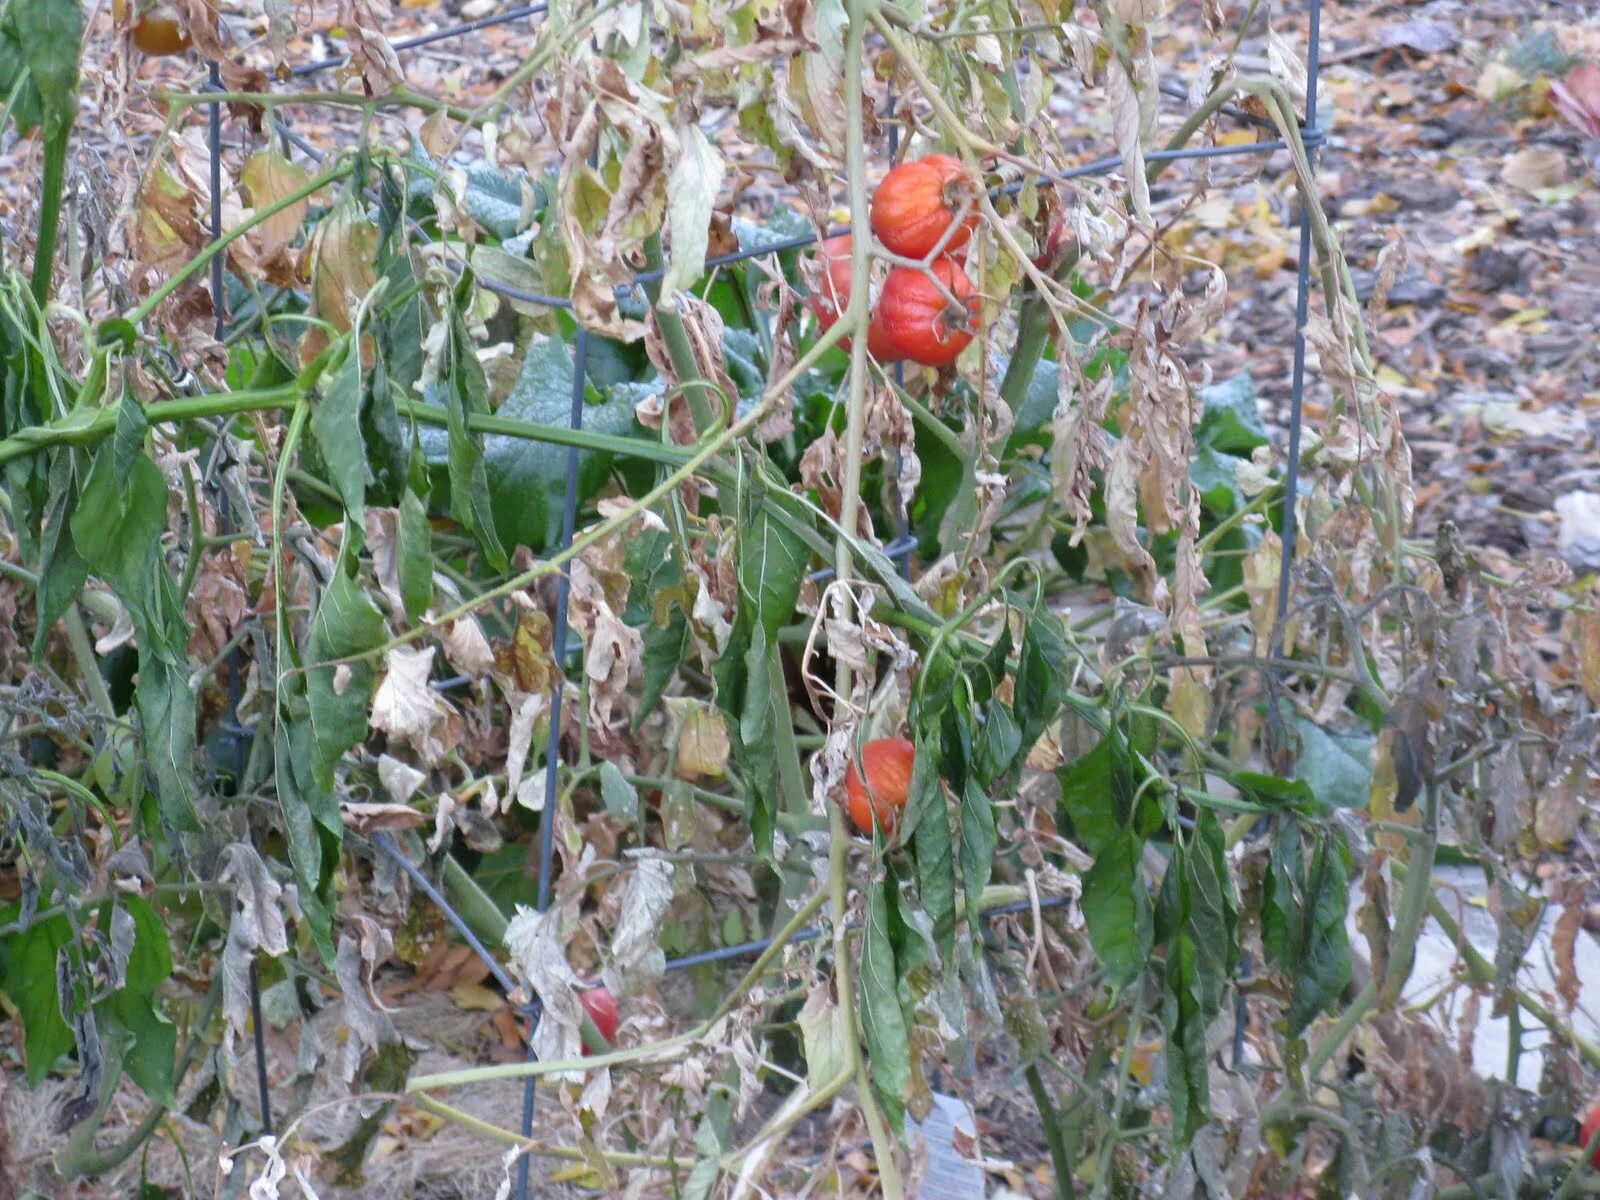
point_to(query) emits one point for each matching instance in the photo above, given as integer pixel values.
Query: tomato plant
(919, 321)
(881, 796)
(919, 200)
(545, 549)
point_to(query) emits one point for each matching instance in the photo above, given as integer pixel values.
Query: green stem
(88, 664)
(50, 186)
(679, 349)
(791, 773)
(482, 914)
(1052, 1131)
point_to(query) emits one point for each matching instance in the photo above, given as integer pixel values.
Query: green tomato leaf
(528, 480)
(1231, 421)
(467, 395)
(43, 38)
(1116, 908)
(29, 980)
(336, 425)
(882, 1020)
(346, 623)
(1336, 767)
(928, 826)
(978, 842)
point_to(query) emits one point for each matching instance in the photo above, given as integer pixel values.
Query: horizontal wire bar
(387, 844)
(440, 35)
(723, 953)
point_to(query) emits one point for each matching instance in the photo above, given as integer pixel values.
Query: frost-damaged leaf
(691, 192)
(369, 1023)
(882, 1019)
(821, 1037)
(1283, 59)
(636, 960)
(1131, 93)
(702, 738)
(165, 227)
(372, 60)
(818, 89)
(343, 252)
(257, 926)
(534, 940)
(346, 624)
(410, 711)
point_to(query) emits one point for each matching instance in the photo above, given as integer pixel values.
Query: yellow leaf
(270, 177)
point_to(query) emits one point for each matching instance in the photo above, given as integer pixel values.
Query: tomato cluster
(923, 207)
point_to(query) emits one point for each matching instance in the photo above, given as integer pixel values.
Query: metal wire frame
(1312, 136)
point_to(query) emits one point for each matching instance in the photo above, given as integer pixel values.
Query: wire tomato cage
(898, 549)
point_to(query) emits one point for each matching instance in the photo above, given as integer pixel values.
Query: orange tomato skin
(888, 763)
(601, 1006)
(918, 319)
(918, 200)
(159, 32)
(832, 297)
(1589, 1139)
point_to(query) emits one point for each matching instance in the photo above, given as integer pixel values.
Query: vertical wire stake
(552, 765)
(219, 308)
(1291, 477)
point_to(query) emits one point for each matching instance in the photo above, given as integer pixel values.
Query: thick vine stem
(884, 1145)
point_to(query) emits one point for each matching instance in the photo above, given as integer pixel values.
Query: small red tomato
(888, 762)
(159, 32)
(1589, 1138)
(601, 1006)
(918, 319)
(832, 296)
(918, 200)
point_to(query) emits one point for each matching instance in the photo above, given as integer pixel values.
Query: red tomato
(918, 200)
(832, 296)
(159, 32)
(1589, 1138)
(920, 322)
(601, 1006)
(888, 762)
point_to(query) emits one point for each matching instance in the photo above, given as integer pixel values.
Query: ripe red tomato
(832, 296)
(601, 1006)
(1589, 1138)
(920, 322)
(888, 762)
(918, 200)
(159, 32)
